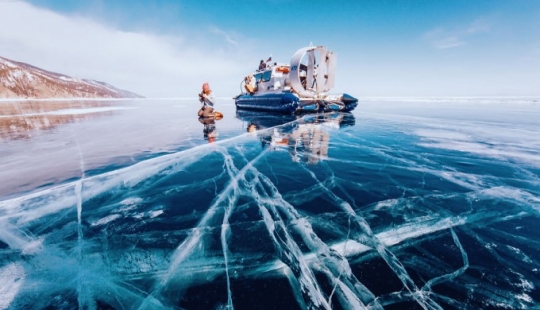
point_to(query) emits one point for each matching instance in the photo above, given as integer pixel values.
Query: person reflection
(252, 128)
(209, 128)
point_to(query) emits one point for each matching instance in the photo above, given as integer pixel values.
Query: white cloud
(448, 42)
(147, 64)
(478, 26)
(445, 38)
(228, 37)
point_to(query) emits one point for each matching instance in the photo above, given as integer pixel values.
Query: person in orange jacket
(207, 100)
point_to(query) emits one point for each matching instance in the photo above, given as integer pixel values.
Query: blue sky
(385, 48)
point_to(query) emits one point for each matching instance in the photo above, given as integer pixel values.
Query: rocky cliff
(21, 80)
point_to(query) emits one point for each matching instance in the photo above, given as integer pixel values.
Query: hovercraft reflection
(306, 138)
(300, 86)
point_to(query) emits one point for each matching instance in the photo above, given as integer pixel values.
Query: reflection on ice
(307, 212)
(19, 119)
(210, 132)
(305, 137)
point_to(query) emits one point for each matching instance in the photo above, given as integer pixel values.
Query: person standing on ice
(207, 100)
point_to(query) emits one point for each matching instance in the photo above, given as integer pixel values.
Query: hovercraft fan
(312, 71)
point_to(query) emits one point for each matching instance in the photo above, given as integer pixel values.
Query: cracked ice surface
(386, 208)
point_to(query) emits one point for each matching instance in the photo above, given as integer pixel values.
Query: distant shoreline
(460, 99)
(102, 99)
(66, 99)
(451, 99)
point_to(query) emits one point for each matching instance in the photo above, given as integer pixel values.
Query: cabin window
(258, 77)
(267, 75)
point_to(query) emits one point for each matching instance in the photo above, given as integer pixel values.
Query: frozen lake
(401, 204)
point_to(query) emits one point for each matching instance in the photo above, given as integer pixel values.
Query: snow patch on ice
(499, 146)
(155, 213)
(386, 204)
(12, 276)
(106, 220)
(149, 214)
(130, 202)
(33, 247)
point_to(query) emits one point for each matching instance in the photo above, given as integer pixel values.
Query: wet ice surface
(399, 205)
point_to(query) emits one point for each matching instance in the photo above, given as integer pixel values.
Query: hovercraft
(301, 86)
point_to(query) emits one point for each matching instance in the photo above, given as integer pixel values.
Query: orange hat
(206, 86)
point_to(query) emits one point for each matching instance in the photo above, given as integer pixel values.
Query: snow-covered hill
(21, 80)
